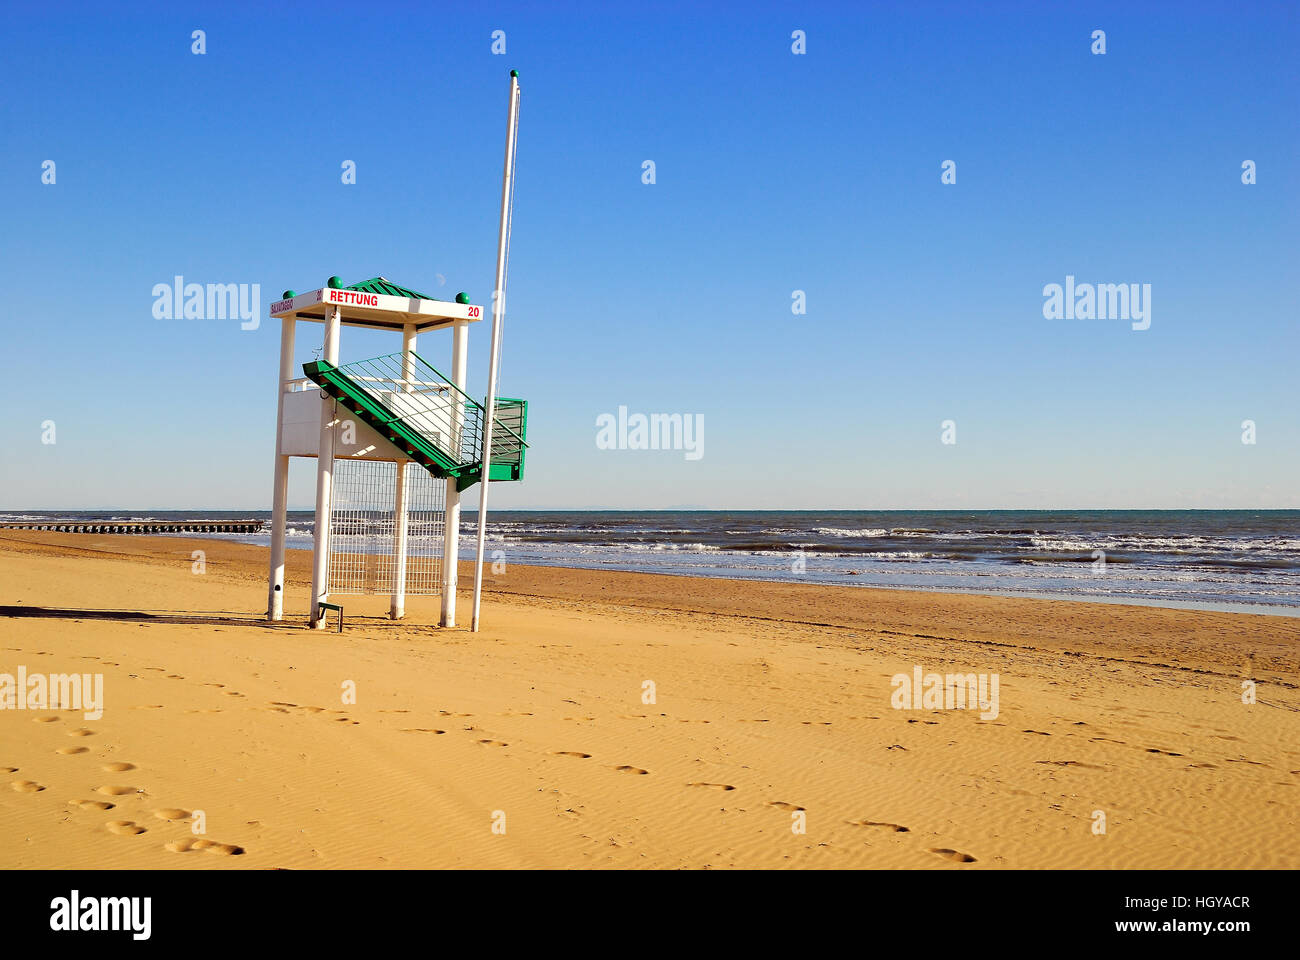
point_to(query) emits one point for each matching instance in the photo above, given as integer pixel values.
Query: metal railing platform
(426, 416)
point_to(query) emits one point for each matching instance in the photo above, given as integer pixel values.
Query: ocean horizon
(1231, 560)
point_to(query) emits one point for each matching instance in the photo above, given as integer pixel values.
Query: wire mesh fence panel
(426, 515)
(366, 536)
(362, 538)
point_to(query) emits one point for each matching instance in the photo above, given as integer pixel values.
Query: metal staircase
(427, 417)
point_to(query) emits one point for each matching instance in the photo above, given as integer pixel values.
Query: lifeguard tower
(396, 441)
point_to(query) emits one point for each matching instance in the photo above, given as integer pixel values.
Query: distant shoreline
(1230, 560)
(302, 551)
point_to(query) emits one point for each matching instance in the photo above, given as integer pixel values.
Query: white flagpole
(498, 312)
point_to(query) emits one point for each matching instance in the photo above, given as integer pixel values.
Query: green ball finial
(514, 73)
(288, 295)
(335, 283)
(462, 297)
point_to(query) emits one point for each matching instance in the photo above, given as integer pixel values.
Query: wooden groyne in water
(135, 526)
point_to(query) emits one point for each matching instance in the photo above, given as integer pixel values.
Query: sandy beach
(532, 744)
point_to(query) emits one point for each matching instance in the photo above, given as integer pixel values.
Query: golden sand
(530, 744)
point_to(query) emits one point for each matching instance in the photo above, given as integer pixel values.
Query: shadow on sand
(140, 616)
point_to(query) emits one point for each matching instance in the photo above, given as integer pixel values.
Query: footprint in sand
(8, 769)
(100, 805)
(121, 766)
(112, 791)
(45, 719)
(1039, 732)
(124, 828)
(571, 753)
(81, 732)
(711, 786)
(222, 849)
(172, 813)
(494, 743)
(421, 730)
(954, 855)
(26, 786)
(1163, 753)
(210, 846)
(68, 751)
(895, 827)
(625, 768)
(782, 805)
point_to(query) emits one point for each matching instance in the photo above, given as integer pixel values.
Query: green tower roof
(385, 286)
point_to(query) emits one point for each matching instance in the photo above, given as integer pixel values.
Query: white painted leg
(280, 490)
(451, 524)
(279, 517)
(398, 609)
(324, 475)
(450, 555)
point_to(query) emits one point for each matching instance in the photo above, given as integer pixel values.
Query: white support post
(451, 524)
(280, 490)
(408, 361)
(397, 610)
(324, 473)
(498, 313)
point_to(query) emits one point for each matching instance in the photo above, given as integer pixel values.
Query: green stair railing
(428, 417)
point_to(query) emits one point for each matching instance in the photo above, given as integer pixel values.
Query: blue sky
(775, 172)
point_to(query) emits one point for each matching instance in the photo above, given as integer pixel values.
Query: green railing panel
(428, 417)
